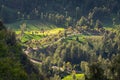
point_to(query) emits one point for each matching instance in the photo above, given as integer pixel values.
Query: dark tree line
(28, 9)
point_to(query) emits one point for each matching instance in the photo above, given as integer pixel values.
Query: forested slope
(11, 10)
(14, 65)
(61, 38)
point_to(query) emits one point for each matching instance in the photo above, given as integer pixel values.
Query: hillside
(14, 65)
(60, 40)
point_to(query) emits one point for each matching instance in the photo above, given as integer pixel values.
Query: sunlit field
(45, 32)
(77, 77)
(37, 35)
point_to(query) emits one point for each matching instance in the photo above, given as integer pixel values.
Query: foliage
(14, 65)
(58, 52)
(98, 24)
(44, 11)
(82, 21)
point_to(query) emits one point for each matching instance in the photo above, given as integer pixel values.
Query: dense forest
(59, 40)
(45, 10)
(14, 65)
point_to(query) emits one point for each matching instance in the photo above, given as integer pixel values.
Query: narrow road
(40, 62)
(31, 59)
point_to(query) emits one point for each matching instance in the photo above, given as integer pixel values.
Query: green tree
(116, 67)
(77, 38)
(10, 38)
(96, 72)
(23, 27)
(77, 11)
(98, 24)
(42, 15)
(2, 27)
(68, 21)
(82, 21)
(84, 67)
(114, 21)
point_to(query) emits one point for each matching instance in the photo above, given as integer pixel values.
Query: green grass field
(37, 35)
(38, 32)
(28, 37)
(77, 76)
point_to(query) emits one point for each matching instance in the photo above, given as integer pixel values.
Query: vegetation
(14, 65)
(77, 77)
(60, 40)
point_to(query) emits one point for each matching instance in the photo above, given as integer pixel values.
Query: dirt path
(31, 59)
